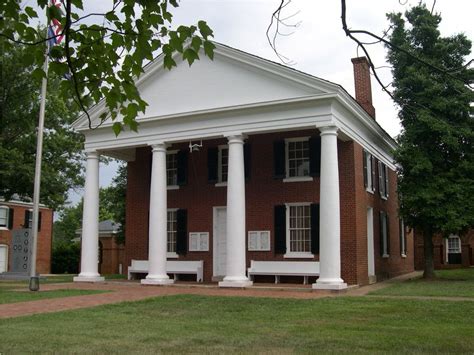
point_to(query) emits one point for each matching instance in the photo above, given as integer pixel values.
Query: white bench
(175, 267)
(284, 268)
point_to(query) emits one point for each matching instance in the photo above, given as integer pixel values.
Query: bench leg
(305, 281)
(175, 277)
(277, 279)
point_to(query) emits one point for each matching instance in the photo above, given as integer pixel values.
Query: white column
(235, 233)
(90, 223)
(330, 221)
(158, 220)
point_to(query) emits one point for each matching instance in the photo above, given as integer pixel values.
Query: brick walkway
(121, 291)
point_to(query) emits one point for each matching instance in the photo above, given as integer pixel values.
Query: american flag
(55, 28)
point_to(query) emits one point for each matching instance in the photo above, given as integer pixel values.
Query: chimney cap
(358, 60)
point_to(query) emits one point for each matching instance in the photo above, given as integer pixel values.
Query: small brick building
(17, 215)
(448, 253)
(241, 159)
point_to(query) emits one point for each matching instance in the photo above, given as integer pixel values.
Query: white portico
(233, 97)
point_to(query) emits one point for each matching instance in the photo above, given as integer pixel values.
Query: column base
(157, 281)
(86, 278)
(336, 284)
(239, 282)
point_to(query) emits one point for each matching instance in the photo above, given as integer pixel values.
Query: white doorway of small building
(219, 243)
(3, 258)
(370, 245)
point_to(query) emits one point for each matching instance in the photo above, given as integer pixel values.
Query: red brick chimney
(363, 90)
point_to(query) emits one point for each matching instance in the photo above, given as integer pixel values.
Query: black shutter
(181, 232)
(388, 233)
(11, 212)
(182, 160)
(212, 155)
(26, 223)
(373, 173)
(315, 156)
(39, 220)
(279, 160)
(247, 165)
(381, 217)
(315, 228)
(364, 164)
(280, 229)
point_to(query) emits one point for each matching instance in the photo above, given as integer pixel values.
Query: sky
(318, 46)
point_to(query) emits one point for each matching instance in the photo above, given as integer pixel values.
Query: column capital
(328, 130)
(158, 147)
(92, 154)
(235, 137)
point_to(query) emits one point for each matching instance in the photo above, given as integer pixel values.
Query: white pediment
(232, 79)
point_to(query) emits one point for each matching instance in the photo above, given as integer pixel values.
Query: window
(172, 230)
(384, 235)
(403, 239)
(454, 244)
(223, 164)
(199, 241)
(259, 240)
(299, 229)
(369, 171)
(28, 218)
(4, 212)
(297, 157)
(172, 168)
(383, 180)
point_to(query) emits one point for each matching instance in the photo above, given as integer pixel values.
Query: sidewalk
(122, 291)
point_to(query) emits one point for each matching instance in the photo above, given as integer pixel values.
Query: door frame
(214, 238)
(370, 242)
(5, 246)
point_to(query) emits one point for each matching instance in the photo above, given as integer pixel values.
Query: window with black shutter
(279, 171)
(182, 165)
(181, 232)
(4, 216)
(280, 229)
(212, 158)
(28, 219)
(364, 162)
(247, 161)
(315, 228)
(315, 156)
(11, 213)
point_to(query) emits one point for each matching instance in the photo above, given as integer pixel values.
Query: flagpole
(34, 279)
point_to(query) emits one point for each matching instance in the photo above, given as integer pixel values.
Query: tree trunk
(428, 253)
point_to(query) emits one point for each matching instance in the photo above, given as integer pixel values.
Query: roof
(105, 227)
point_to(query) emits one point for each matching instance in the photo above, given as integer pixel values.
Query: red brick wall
(263, 192)
(43, 256)
(439, 251)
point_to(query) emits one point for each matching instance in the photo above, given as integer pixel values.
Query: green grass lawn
(13, 295)
(196, 324)
(449, 283)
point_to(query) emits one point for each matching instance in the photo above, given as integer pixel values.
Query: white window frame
(30, 221)
(384, 236)
(220, 148)
(369, 159)
(173, 186)
(7, 216)
(289, 253)
(289, 178)
(201, 236)
(458, 241)
(171, 254)
(260, 235)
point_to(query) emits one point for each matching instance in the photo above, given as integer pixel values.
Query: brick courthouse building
(283, 166)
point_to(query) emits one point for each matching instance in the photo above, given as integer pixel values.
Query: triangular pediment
(232, 79)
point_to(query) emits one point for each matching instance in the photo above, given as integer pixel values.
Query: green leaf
(190, 55)
(205, 29)
(209, 49)
(196, 43)
(31, 12)
(38, 74)
(117, 128)
(169, 62)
